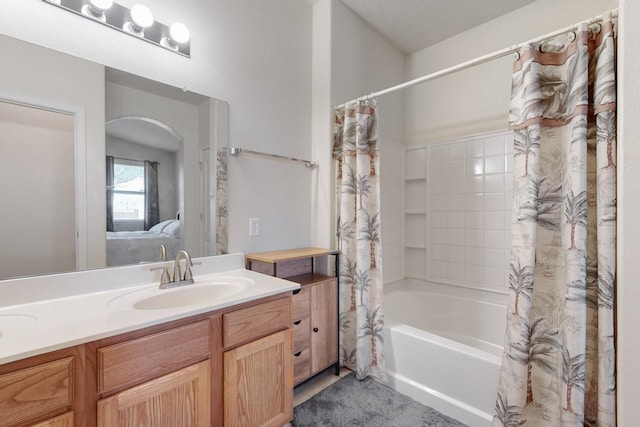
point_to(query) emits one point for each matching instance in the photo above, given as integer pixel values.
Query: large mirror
(99, 167)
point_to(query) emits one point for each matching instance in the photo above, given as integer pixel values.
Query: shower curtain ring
(595, 28)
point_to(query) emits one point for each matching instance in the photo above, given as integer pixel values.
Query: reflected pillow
(159, 227)
(173, 228)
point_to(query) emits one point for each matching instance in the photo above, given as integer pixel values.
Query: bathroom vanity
(127, 356)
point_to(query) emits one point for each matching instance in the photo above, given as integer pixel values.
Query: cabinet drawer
(301, 303)
(33, 392)
(301, 365)
(301, 334)
(139, 360)
(251, 323)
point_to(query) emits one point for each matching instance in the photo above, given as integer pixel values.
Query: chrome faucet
(179, 279)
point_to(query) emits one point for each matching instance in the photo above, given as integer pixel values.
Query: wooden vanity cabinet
(231, 367)
(315, 307)
(44, 390)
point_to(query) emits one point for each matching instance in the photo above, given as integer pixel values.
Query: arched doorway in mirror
(145, 190)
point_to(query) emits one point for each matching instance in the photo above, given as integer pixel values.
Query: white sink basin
(203, 292)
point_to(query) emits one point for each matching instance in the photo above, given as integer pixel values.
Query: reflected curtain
(110, 166)
(359, 236)
(559, 357)
(151, 199)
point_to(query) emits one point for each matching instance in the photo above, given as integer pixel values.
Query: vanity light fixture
(137, 21)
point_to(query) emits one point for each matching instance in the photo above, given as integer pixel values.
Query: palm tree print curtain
(358, 209)
(558, 363)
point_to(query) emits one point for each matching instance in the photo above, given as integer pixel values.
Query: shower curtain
(359, 236)
(559, 355)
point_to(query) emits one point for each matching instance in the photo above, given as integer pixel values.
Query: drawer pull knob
(297, 322)
(297, 291)
(315, 329)
(297, 354)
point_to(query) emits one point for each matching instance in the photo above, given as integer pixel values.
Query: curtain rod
(482, 59)
(130, 160)
(235, 152)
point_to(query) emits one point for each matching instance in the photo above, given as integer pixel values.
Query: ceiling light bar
(137, 21)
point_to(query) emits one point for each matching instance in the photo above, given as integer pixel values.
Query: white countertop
(39, 315)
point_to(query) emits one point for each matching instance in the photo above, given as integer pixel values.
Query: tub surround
(43, 314)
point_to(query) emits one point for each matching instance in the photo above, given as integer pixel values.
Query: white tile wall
(468, 207)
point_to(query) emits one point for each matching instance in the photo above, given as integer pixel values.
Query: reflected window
(128, 190)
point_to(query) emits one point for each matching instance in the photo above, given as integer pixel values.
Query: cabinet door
(258, 382)
(178, 399)
(324, 325)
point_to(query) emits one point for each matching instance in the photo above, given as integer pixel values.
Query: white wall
(350, 60)
(36, 187)
(65, 83)
(628, 298)
(253, 54)
(477, 100)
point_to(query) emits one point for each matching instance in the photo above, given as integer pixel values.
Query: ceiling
(412, 25)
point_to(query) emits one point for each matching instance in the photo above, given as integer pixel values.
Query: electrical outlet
(254, 227)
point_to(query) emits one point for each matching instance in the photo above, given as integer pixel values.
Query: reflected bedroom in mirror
(99, 167)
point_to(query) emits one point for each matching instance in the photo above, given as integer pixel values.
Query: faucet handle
(165, 278)
(187, 270)
(163, 253)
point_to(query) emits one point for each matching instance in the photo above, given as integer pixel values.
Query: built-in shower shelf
(415, 246)
(415, 212)
(415, 178)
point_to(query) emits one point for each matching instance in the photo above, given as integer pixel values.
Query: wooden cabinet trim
(124, 364)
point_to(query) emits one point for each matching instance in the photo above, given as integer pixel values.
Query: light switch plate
(254, 227)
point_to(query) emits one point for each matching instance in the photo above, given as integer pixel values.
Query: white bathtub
(443, 347)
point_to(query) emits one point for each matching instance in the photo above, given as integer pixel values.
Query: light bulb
(179, 32)
(141, 16)
(101, 5)
(95, 9)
